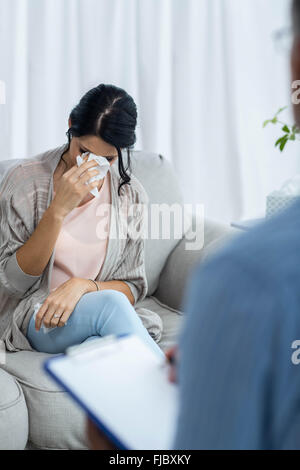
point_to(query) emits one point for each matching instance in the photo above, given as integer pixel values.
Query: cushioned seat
(13, 414)
(171, 319)
(55, 421)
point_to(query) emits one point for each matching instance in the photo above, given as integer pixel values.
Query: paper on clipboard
(124, 388)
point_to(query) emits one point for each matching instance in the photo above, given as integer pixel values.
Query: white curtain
(204, 74)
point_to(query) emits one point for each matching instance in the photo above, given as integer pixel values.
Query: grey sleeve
(13, 235)
(15, 279)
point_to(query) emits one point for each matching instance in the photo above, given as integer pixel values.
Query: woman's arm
(34, 255)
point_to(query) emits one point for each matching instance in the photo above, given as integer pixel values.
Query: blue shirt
(239, 388)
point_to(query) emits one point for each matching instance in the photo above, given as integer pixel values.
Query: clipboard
(123, 387)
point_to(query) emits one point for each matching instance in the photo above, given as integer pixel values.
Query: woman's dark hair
(108, 112)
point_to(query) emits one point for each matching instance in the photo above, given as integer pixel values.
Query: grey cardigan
(26, 191)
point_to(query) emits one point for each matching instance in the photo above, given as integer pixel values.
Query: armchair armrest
(174, 275)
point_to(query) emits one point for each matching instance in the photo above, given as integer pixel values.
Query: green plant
(290, 132)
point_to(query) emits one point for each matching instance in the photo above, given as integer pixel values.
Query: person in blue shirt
(239, 388)
(237, 356)
(238, 371)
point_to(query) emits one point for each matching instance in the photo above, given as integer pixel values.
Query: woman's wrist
(55, 212)
(92, 286)
(85, 285)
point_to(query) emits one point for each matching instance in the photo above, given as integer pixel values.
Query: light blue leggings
(95, 314)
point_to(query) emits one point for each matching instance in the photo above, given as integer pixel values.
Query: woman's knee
(115, 311)
(111, 297)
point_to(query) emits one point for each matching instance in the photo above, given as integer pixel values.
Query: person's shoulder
(13, 181)
(23, 176)
(42, 162)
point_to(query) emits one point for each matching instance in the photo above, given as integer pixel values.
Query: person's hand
(72, 188)
(97, 439)
(172, 355)
(61, 302)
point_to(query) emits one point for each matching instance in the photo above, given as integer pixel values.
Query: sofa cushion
(171, 318)
(158, 177)
(182, 260)
(13, 414)
(55, 421)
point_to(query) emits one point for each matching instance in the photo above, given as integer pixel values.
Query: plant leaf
(292, 137)
(279, 141)
(283, 143)
(286, 129)
(266, 123)
(281, 109)
(274, 120)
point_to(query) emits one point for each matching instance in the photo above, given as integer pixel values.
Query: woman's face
(92, 144)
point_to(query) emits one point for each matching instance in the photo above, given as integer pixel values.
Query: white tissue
(291, 187)
(102, 165)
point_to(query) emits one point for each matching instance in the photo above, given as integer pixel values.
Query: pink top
(81, 246)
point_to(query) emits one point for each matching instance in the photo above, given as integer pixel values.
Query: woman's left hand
(61, 303)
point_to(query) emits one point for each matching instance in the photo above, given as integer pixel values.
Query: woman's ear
(70, 122)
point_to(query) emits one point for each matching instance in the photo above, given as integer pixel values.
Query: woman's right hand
(72, 188)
